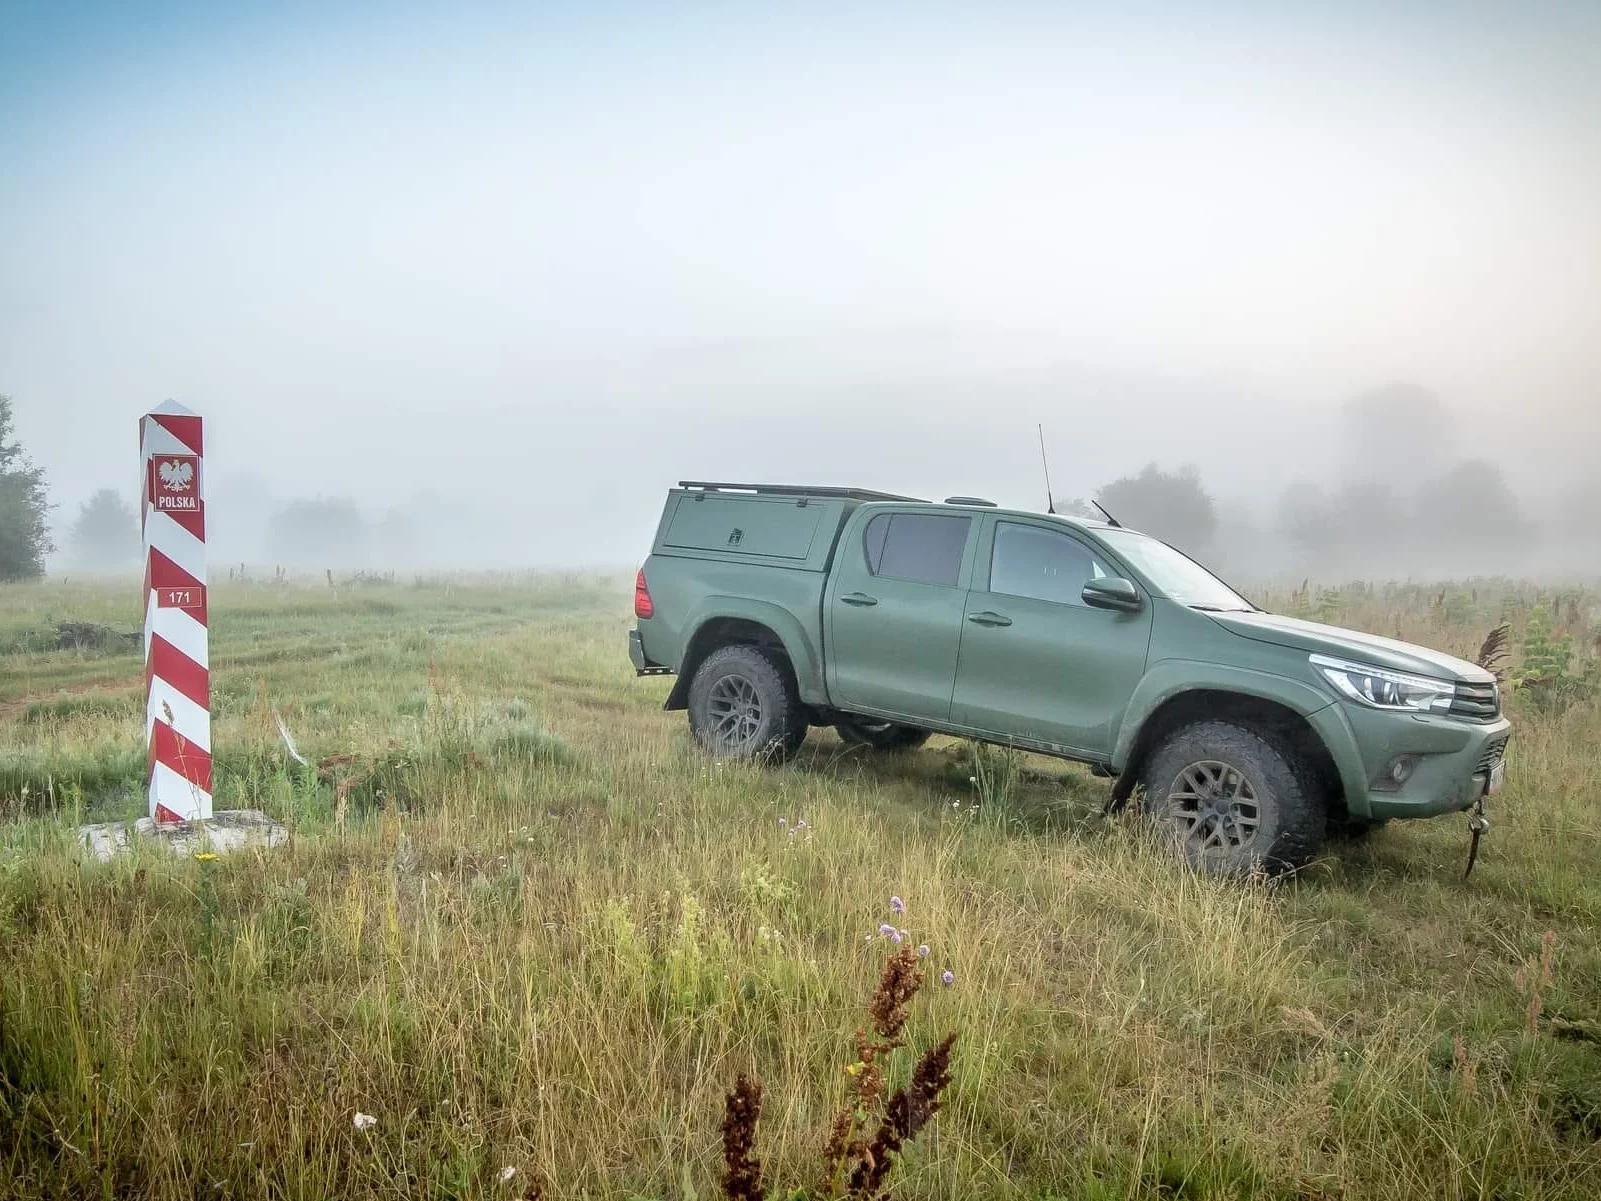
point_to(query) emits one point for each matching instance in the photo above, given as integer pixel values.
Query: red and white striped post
(177, 678)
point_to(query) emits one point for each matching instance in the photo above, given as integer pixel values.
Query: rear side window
(1041, 564)
(925, 548)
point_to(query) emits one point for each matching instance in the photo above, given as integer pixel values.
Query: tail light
(642, 603)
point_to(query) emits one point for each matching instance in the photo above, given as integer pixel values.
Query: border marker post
(177, 672)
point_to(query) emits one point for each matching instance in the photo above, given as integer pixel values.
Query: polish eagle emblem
(177, 475)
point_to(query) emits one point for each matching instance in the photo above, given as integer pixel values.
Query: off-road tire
(880, 735)
(1291, 815)
(772, 724)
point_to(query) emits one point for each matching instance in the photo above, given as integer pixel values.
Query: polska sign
(174, 483)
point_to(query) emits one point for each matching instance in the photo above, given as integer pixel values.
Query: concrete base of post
(230, 830)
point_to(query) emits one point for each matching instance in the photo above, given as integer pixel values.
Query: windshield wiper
(1219, 609)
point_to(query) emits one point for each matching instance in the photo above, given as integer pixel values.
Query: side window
(873, 542)
(925, 548)
(1041, 564)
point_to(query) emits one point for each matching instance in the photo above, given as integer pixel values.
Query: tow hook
(1478, 826)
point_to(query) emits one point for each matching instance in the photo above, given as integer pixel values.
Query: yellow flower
(853, 1069)
(205, 856)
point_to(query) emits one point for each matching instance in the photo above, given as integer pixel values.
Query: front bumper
(1454, 759)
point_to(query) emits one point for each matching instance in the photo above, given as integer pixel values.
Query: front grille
(1493, 750)
(1482, 701)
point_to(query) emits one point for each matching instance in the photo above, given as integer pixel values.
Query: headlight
(1380, 689)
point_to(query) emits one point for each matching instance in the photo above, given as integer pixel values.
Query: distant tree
(1394, 429)
(401, 538)
(24, 508)
(1374, 526)
(1307, 518)
(1578, 515)
(106, 534)
(1170, 505)
(1470, 508)
(318, 533)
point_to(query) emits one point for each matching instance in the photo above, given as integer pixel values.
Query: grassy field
(522, 924)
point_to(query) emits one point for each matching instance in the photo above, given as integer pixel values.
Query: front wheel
(743, 704)
(880, 735)
(1234, 800)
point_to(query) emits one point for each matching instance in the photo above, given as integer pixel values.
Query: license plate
(1497, 779)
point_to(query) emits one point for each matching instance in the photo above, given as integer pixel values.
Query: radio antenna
(1050, 501)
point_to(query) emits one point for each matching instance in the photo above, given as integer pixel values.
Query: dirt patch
(13, 709)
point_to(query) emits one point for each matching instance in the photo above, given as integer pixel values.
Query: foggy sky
(540, 262)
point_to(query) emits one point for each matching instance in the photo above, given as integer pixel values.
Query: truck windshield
(1177, 575)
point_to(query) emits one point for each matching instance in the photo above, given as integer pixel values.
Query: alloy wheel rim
(1213, 807)
(736, 713)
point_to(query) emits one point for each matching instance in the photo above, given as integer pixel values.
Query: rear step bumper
(642, 665)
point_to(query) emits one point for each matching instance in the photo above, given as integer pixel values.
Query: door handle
(987, 618)
(859, 598)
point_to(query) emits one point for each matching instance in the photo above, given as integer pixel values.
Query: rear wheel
(743, 704)
(880, 735)
(1233, 799)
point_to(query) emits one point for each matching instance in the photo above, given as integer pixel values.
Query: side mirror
(1113, 593)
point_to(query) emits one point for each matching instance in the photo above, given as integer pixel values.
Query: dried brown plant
(896, 987)
(910, 1109)
(1540, 979)
(847, 1145)
(863, 1164)
(742, 1170)
(1493, 650)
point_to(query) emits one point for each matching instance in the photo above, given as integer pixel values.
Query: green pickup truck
(1248, 735)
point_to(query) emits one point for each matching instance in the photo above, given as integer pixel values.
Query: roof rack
(795, 490)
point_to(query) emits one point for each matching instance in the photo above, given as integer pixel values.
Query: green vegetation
(522, 924)
(24, 507)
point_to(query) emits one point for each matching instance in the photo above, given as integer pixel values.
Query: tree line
(1393, 497)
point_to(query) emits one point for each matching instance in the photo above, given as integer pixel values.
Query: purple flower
(802, 824)
(922, 951)
(896, 905)
(783, 821)
(886, 930)
(947, 977)
(895, 937)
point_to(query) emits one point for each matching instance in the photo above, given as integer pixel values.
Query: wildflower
(896, 905)
(886, 930)
(783, 821)
(506, 1174)
(922, 951)
(854, 1069)
(364, 1121)
(205, 856)
(947, 977)
(897, 937)
(803, 824)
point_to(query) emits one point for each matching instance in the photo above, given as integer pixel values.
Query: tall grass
(543, 934)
